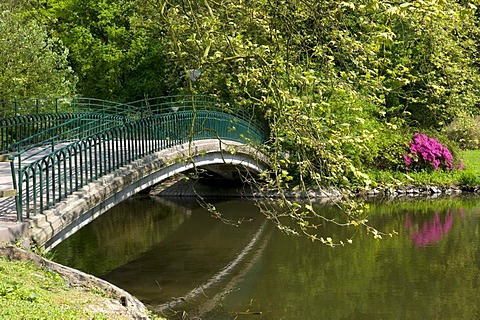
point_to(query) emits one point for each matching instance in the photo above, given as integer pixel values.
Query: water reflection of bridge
(181, 265)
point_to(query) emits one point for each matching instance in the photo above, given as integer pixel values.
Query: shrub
(427, 153)
(465, 131)
(469, 178)
(386, 150)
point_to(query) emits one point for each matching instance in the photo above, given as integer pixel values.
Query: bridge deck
(8, 211)
(9, 223)
(7, 204)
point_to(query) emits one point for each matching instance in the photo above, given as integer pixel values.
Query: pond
(185, 264)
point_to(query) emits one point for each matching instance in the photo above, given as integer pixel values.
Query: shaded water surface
(182, 262)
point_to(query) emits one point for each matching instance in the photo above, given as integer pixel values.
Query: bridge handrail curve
(56, 175)
(13, 129)
(105, 112)
(175, 103)
(37, 106)
(66, 131)
(131, 110)
(13, 111)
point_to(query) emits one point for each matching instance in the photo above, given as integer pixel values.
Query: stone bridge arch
(77, 210)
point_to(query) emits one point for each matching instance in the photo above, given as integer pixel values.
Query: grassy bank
(28, 291)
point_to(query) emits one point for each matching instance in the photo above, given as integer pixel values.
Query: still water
(181, 262)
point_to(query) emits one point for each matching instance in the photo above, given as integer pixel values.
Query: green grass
(471, 159)
(469, 176)
(30, 292)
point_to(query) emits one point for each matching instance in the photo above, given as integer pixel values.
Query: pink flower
(427, 152)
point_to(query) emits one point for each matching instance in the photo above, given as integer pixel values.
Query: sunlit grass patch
(29, 292)
(471, 160)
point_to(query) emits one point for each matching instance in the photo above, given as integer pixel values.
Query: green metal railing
(13, 129)
(86, 153)
(29, 123)
(23, 133)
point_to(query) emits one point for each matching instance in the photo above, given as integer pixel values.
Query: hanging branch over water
(329, 82)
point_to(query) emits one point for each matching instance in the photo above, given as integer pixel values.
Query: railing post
(15, 114)
(35, 196)
(17, 187)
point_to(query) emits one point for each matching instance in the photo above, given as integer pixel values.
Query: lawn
(28, 291)
(470, 175)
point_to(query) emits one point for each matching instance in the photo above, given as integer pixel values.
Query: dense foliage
(32, 63)
(113, 56)
(342, 85)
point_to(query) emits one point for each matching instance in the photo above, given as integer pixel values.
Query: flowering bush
(427, 153)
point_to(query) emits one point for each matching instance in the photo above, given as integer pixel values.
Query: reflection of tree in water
(430, 231)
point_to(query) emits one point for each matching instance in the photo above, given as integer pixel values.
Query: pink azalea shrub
(427, 153)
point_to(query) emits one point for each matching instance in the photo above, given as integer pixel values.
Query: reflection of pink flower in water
(430, 231)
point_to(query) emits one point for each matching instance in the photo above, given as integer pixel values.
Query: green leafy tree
(32, 64)
(113, 57)
(425, 59)
(268, 58)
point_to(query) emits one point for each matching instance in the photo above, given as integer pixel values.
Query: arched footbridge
(66, 161)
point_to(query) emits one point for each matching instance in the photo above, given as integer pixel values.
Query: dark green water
(180, 261)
